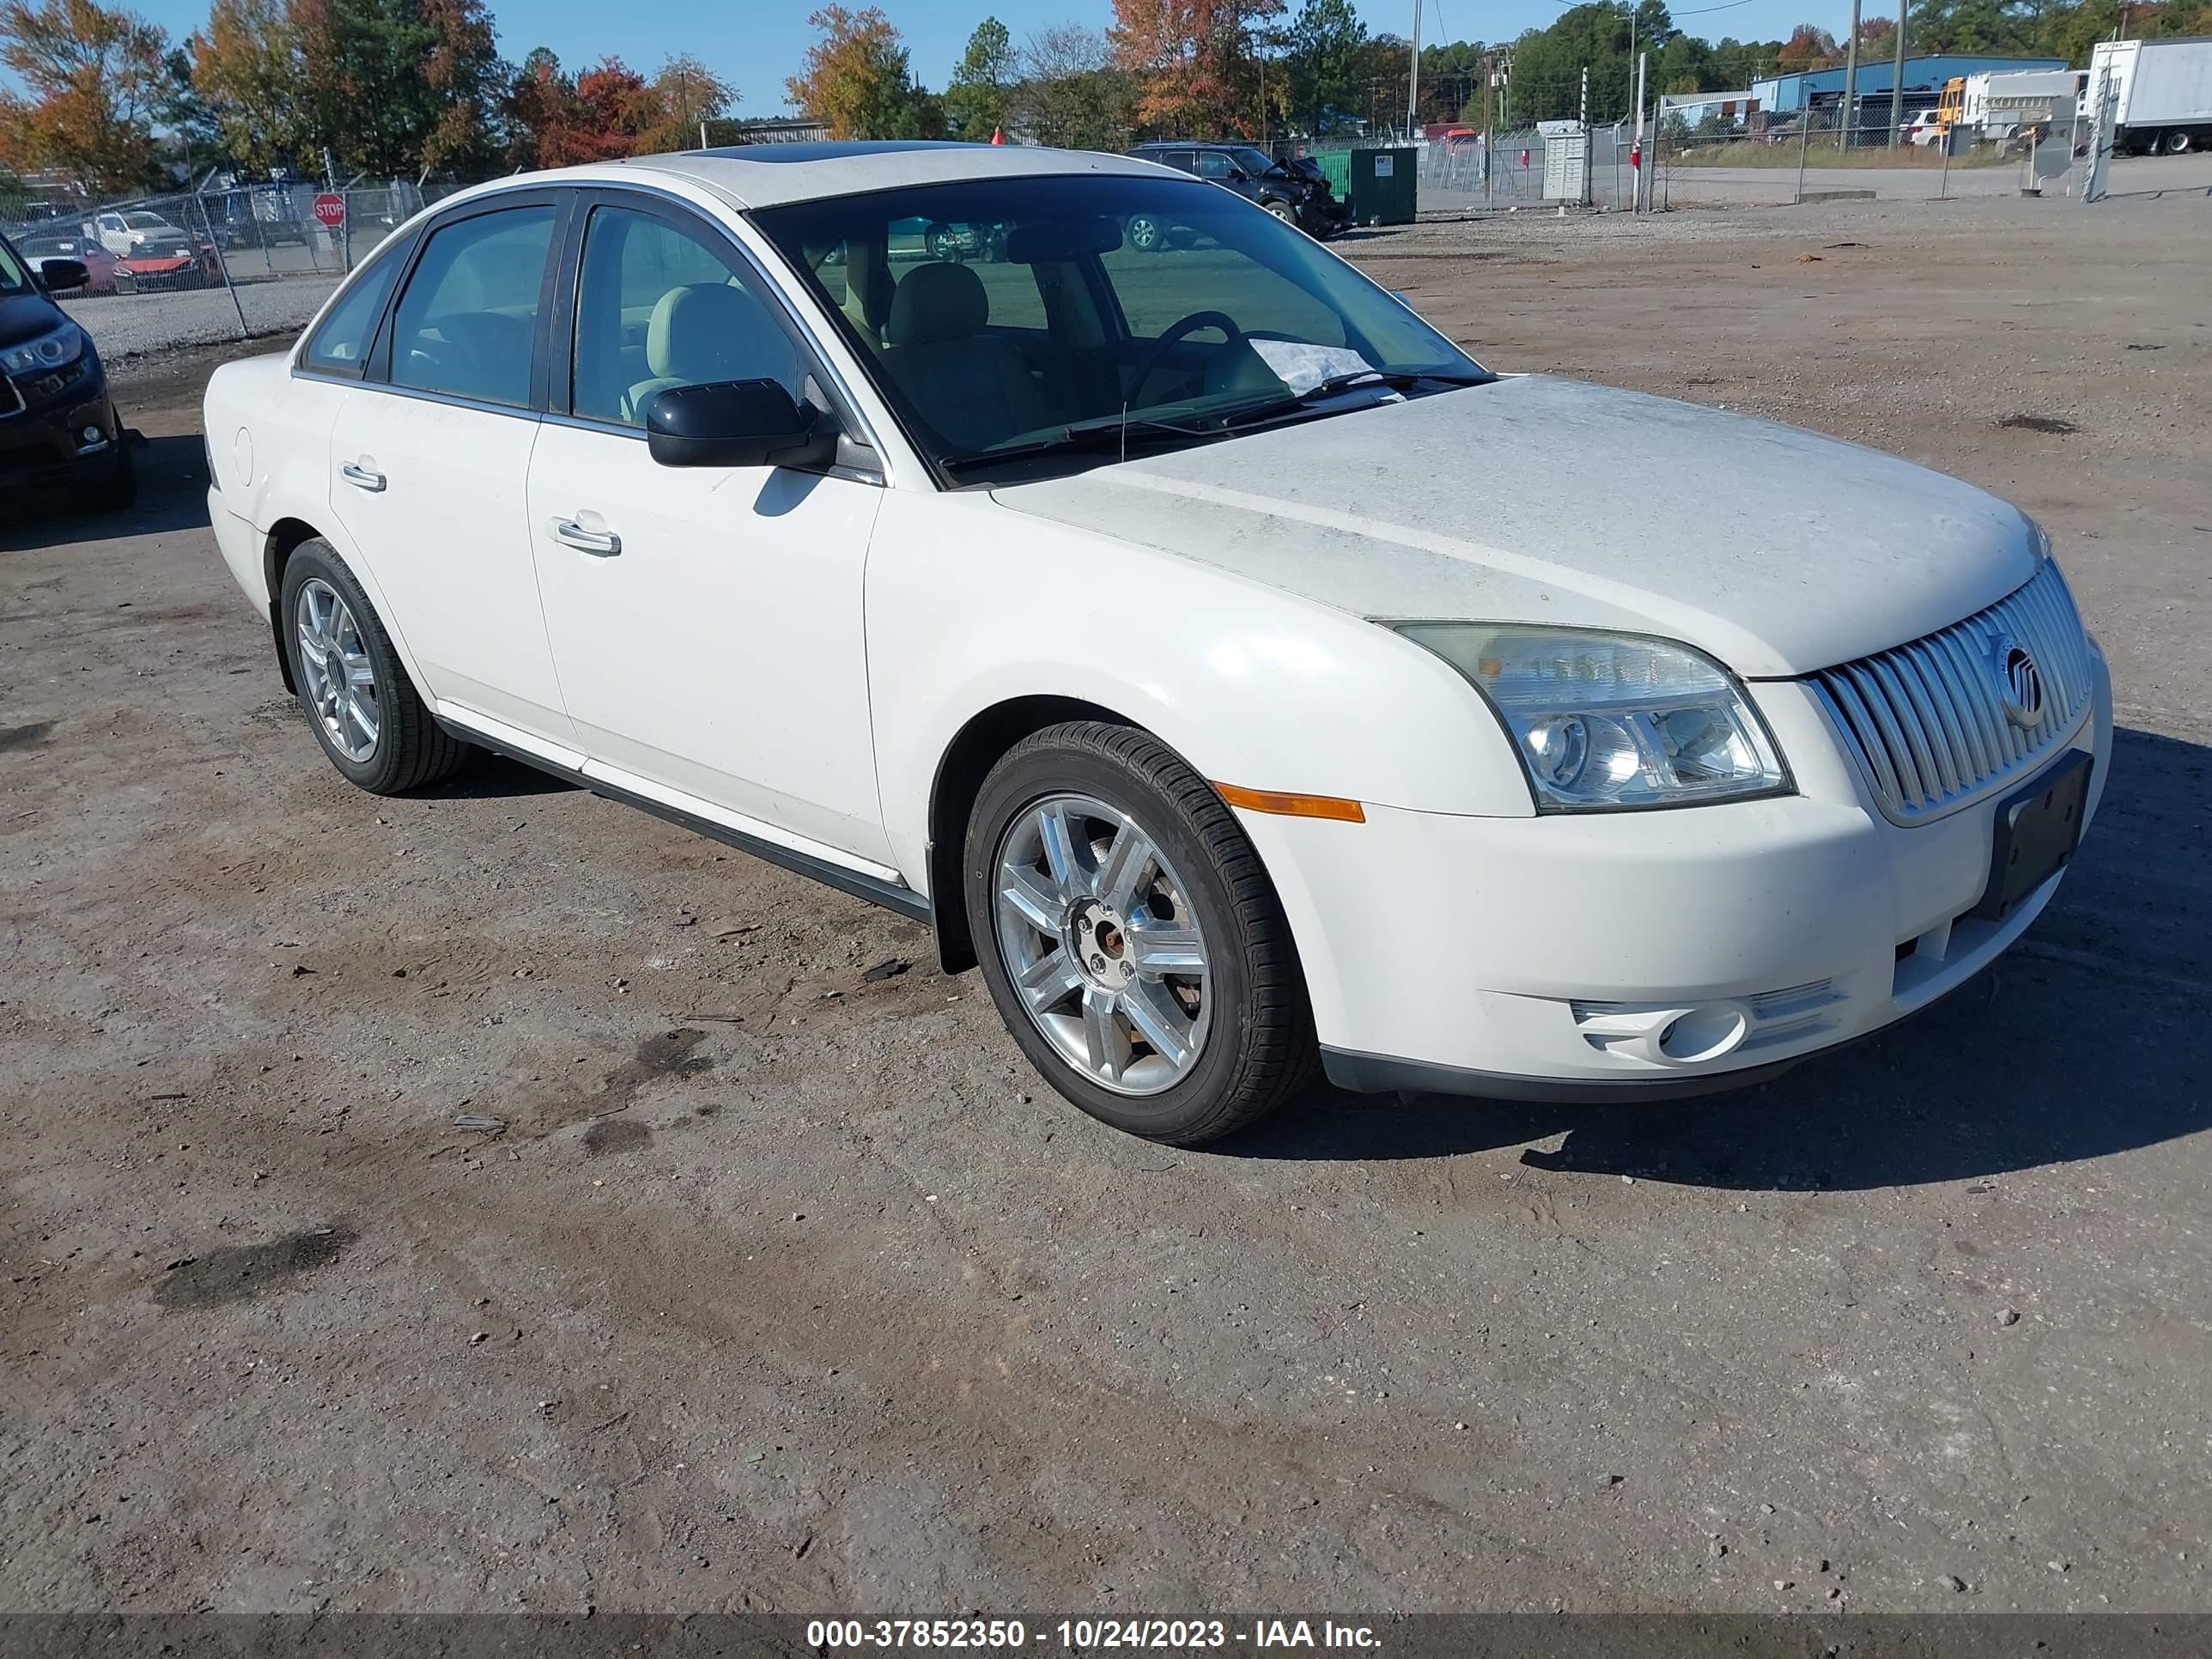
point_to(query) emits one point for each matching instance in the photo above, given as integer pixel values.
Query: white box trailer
(2163, 94)
(1997, 106)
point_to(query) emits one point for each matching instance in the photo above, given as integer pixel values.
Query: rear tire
(1146, 234)
(360, 704)
(1175, 931)
(2180, 143)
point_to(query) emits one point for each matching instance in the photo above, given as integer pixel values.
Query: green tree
(685, 92)
(1324, 63)
(975, 97)
(405, 86)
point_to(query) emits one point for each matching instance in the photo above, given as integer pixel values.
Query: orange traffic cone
(997, 137)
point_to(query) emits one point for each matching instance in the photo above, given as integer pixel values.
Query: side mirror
(60, 275)
(737, 423)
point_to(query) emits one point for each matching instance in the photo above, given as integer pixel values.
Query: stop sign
(329, 209)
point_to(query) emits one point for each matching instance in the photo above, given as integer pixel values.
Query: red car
(99, 264)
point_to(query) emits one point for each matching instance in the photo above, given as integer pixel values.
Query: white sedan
(1244, 677)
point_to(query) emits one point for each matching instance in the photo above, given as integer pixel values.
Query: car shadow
(494, 777)
(172, 485)
(2087, 1038)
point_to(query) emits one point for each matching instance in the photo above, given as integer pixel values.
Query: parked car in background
(1136, 622)
(1295, 197)
(59, 426)
(1925, 129)
(1335, 209)
(46, 244)
(123, 231)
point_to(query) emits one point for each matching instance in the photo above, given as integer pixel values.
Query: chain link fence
(196, 267)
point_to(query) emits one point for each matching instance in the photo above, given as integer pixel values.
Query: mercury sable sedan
(1240, 673)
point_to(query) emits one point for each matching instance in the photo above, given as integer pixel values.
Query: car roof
(771, 175)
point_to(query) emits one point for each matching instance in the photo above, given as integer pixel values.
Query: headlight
(61, 345)
(1610, 720)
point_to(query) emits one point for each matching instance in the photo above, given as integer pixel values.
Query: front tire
(2180, 143)
(1147, 234)
(360, 703)
(1131, 940)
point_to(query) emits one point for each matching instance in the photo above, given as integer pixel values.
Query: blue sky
(756, 43)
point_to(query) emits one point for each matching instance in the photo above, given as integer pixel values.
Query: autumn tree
(856, 80)
(975, 97)
(1808, 47)
(249, 66)
(93, 76)
(1196, 62)
(608, 111)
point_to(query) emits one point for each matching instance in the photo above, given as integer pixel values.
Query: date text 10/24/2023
(1086, 1635)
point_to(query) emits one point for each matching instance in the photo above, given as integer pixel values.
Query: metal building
(1923, 79)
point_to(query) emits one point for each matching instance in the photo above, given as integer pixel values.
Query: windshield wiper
(1388, 380)
(1083, 437)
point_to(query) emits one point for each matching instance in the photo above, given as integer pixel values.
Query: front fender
(970, 605)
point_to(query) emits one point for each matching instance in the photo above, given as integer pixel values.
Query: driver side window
(1214, 165)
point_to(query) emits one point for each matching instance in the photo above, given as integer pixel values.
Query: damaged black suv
(57, 424)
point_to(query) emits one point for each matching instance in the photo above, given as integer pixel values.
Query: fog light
(1705, 1033)
(91, 435)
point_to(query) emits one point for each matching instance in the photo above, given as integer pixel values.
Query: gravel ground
(784, 1286)
(125, 325)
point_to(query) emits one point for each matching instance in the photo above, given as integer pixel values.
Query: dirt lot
(786, 1287)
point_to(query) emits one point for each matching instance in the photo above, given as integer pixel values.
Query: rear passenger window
(342, 342)
(659, 308)
(465, 322)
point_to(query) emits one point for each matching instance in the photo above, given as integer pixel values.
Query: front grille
(1926, 722)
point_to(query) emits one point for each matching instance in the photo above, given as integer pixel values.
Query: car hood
(24, 315)
(1535, 500)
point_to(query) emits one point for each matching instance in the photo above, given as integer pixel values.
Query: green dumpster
(1385, 186)
(1336, 167)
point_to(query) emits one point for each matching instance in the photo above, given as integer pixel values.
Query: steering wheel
(1174, 338)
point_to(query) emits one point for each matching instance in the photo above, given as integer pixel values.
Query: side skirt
(891, 895)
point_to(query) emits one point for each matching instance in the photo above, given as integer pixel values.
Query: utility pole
(1413, 80)
(1897, 80)
(1851, 81)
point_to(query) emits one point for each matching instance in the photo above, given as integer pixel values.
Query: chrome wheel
(341, 683)
(1102, 944)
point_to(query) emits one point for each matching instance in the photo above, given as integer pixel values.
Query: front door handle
(361, 478)
(600, 544)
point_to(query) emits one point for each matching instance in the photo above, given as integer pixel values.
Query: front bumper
(1661, 953)
(43, 443)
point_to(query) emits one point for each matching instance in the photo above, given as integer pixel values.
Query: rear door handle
(361, 478)
(600, 544)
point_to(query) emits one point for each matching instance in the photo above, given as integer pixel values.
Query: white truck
(1997, 106)
(2162, 94)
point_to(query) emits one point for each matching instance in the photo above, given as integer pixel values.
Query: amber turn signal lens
(1292, 806)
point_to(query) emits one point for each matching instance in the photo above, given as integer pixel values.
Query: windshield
(1256, 162)
(1028, 310)
(12, 276)
(145, 221)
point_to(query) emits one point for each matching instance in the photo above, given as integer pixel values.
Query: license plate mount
(2036, 831)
